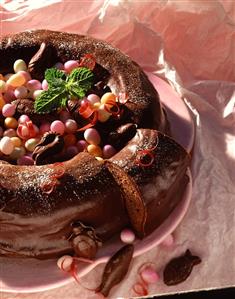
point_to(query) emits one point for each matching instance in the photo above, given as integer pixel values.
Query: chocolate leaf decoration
(116, 269)
(179, 268)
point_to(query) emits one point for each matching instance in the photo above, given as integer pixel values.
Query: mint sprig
(76, 84)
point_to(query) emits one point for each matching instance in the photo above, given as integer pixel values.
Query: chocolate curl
(179, 268)
(116, 269)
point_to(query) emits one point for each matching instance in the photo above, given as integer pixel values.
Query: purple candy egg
(108, 151)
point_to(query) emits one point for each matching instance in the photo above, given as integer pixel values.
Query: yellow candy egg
(94, 150)
(11, 123)
(17, 153)
(109, 98)
(2, 102)
(96, 105)
(2, 86)
(103, 114)
(16, 141)
(30, 144)
(16, 80)
(19, 65)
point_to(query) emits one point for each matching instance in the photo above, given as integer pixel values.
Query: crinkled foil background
(192, 45)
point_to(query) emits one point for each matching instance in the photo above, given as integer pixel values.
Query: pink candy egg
(64, 115)
(44, 127)
(44, 84)
(21, 92)
(34, 84)
(65, 263)
(81, 145)
(9, 96)
(26, 75)
(149, 275)
(8, 110)
(71, 126)
(23, 118)
(70, 65)
(25, 160)
(92, 136)
(108, 151)
(93, 98)
(58, 127)
(127, 236)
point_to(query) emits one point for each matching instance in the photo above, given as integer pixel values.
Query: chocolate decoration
(122, 135)
(50, 144)
(179, 268)
(84, 241)
(116, 269)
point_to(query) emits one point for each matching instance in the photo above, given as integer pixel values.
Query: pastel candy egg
(103, 114)
(23, 119)
(26, 75)
(9, 96)
(59, 66)
(92, 136)
(71, 151)
(17, 152)
(94, 150)
(8, 110)
(8, 76)
(64, 115)
(93, 98)
(81, 145)
(2, 102)
(34, 85)
(30, 144)
(6, 145)
(44, 84)
(108, 151)
(37, 93)
(2, 86)
(16, 80)
(44, 127)
(11, 123)
(21, 92)
(149, 275)
(1, 131)
(71, 126)
(70, 139)
(70, 65)
(58, 127)
(16, 141)
(65, 263)
(19, 65)
(127, 236)
(108, 98)
(10, 133)
(25, 160)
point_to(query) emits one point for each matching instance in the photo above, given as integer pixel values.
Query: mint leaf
(79, 81)
(50, 100)
(55, 77)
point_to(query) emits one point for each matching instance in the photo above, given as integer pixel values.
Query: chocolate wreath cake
(84, 151)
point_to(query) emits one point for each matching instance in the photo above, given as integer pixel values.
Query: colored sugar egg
(34, 85)
(81, 145)
(8, 110)
(30, 144)
(16, 80)
(92, 136)
(149, 275)
(16, 141)
(6, 145)
(19, 65)
(25, 160)
(70, 65)
(21, 92)
(11, 123)
(127, 236)
(71, 126)
(93, 98)
(108, 151)
(58, 127)
(94, 150)
(23, 119)
(44, 84)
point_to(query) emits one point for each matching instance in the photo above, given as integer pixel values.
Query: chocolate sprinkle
(179, 268)
(116, 269)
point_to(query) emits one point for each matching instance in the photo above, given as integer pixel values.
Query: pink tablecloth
(191, 44)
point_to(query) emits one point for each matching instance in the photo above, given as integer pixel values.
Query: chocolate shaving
(50, 144)
(84, 241)
(179, 268)
(116, 269)
(43, 59)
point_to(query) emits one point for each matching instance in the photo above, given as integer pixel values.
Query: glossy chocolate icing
(40, 205)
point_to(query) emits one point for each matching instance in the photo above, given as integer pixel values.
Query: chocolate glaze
(40, 204)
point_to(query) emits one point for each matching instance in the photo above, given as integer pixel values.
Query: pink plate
(31, 275)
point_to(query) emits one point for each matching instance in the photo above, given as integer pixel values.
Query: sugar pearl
(44, 127)
(71, 126)
(59, 66)
(25, 160)
(10, 133)
(64, 115)
(168, 241)
(65, 263)
(19, 65)
(30, 144)
(70, 139)
(70, 65)
(6, 145)
(92, 136)
(44, 84)
(127, 236)
(37, 93)
(16, 141)
(58, 127)
(93, 98)
(103, 115)
(11, 123)
(23, 119)
(109, 98)
(108, 151)
(149, 275)
(16, 80)
(71, 151)
(2, 86)
(94, 150)
(18, 152)
(21, 92)
(81, 145)
(2, 102)
(8, 110)
(34, 85)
